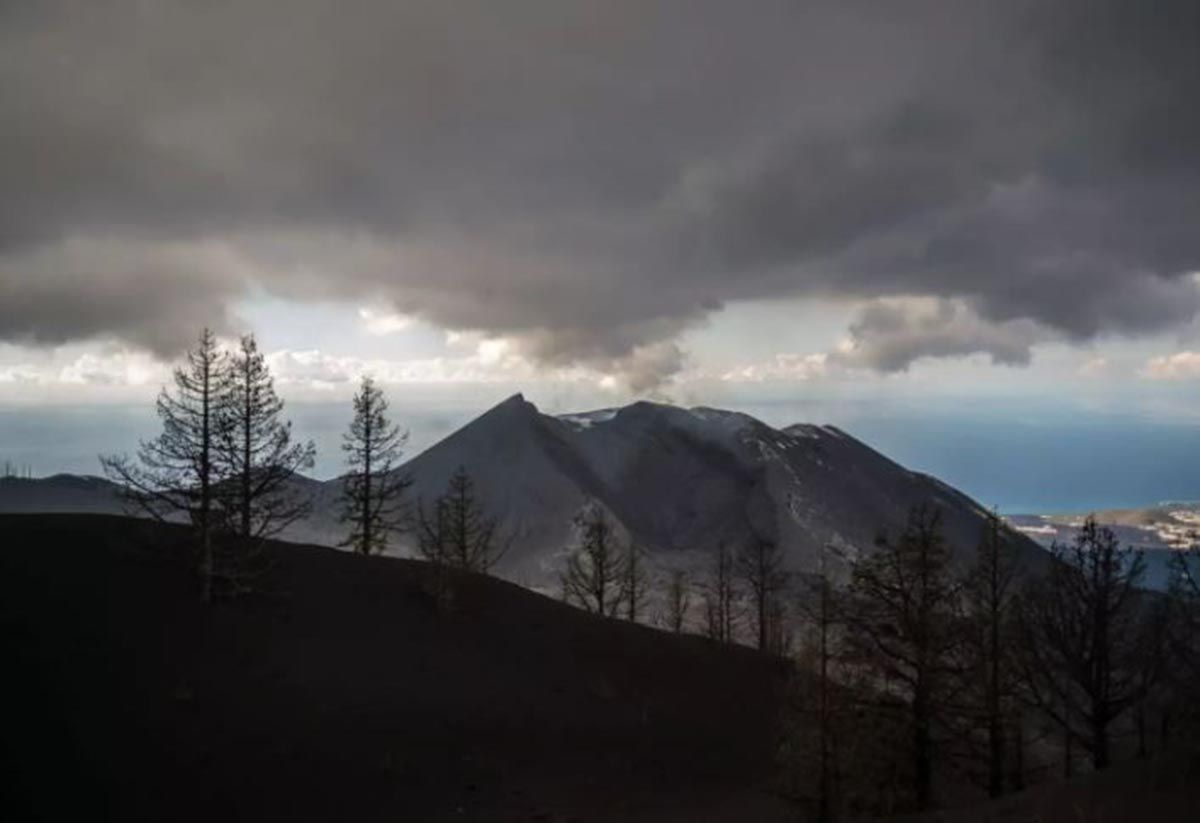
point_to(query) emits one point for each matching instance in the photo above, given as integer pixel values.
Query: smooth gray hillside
(680, 480)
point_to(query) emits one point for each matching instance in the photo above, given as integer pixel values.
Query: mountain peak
(512, 408)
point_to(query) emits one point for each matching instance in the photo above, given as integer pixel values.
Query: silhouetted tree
(178, 473)
(433, 531)
(1184, 593)
(458, 531)
(1179, 698)
(760, 568)
(373, 490)
(990, 596)
(1082, 625)
(15, 471)
(720, 596)
(818, 609)
(633, 582)
(903, 624)
(845, 729)
(257, 453)
(595, 569)
(678, 600)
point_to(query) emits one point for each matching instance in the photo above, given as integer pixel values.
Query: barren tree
(595, 570)
(458, 531)
(760, 568)
(1184, 594)
(677, 601)
(991, 598)
(259, 457)
(633, 582)
(902, 624)
(178, 473)
(373, 490)
(1082, 629)
(825, 622)
(433, 531)
(818, 608)
(720, 596)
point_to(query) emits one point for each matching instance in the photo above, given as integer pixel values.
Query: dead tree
(1082, 626)
(990, 595)
(720, 596)
(1184, 600)
(595, 568)
(178, 473)
(1181, 681)
(373, 489)
(633, 582)
(458, 531)
(818, 609)
(259, 458)
(760, 568)
(902, 625)
(678, 601)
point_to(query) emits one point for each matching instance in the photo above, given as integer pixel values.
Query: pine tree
(257, 452)
(179, 472)
(373, 490)
(596, 565)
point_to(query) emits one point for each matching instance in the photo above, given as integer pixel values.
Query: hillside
(679, 480)
(343, 692)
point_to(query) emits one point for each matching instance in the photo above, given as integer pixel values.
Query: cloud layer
(587, 180)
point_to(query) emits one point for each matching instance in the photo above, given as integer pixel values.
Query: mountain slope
(680, 480)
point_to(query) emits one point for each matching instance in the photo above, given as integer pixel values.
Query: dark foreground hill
(343, 692)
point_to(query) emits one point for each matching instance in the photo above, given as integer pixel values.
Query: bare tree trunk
(1068, 742)
(922, 749)
(1141, 729)
(824, 799)
(206, 548)
(1100, 754)
(366, 489)
(1018, 774)
(247, 458)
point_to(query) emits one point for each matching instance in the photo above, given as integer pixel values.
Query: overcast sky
(709, 202)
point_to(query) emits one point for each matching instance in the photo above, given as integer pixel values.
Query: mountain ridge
(676, 480)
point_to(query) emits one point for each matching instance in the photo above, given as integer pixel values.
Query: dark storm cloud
(591, 178)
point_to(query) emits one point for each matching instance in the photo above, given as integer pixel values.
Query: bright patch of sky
(1111, 424)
